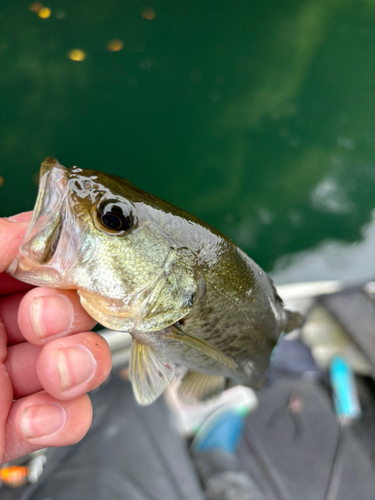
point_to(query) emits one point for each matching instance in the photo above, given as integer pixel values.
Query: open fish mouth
(52, 243)
(44, 231)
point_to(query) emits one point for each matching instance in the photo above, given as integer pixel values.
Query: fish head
(106, 238)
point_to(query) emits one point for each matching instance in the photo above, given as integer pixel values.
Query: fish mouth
(43, 234)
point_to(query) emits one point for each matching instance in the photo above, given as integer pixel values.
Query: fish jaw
(46, 250)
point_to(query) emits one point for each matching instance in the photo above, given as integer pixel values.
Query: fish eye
(116, 216)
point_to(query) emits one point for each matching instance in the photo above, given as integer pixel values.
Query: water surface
(258, 117)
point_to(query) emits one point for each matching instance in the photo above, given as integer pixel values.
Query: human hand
(49, 359)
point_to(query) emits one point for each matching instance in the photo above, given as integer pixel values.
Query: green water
(258, 117)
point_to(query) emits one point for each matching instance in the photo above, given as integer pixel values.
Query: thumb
(12, 232)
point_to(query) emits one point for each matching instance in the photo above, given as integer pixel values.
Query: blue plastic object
(343, 383)
(222, 431)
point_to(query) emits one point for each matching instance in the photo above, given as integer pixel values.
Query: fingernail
(22, 217)
(42, 420)
(76, 365)
(51, 315)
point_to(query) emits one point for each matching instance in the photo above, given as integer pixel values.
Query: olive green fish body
(185, 292)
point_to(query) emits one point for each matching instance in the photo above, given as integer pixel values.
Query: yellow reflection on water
(44, 12)
(1, 180)
(115, 45)
(149, 14)
(76, 55)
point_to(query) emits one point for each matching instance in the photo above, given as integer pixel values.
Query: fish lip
(49, 163)
(43, 234)
(51, 174)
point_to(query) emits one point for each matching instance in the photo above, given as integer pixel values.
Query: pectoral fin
(149, 374)
(197, 387)
(203, 346)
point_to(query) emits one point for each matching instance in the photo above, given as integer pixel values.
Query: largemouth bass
(186, 293)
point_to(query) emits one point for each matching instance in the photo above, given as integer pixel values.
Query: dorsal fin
(149, 374)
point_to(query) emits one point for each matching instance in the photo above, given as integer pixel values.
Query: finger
(9, 305)
(45, 314)
(22, 361)
(6, 395)
(8, 284)
(22, 217)
(11, 236)
(21, 364)
(40, 421)
(72, 366)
